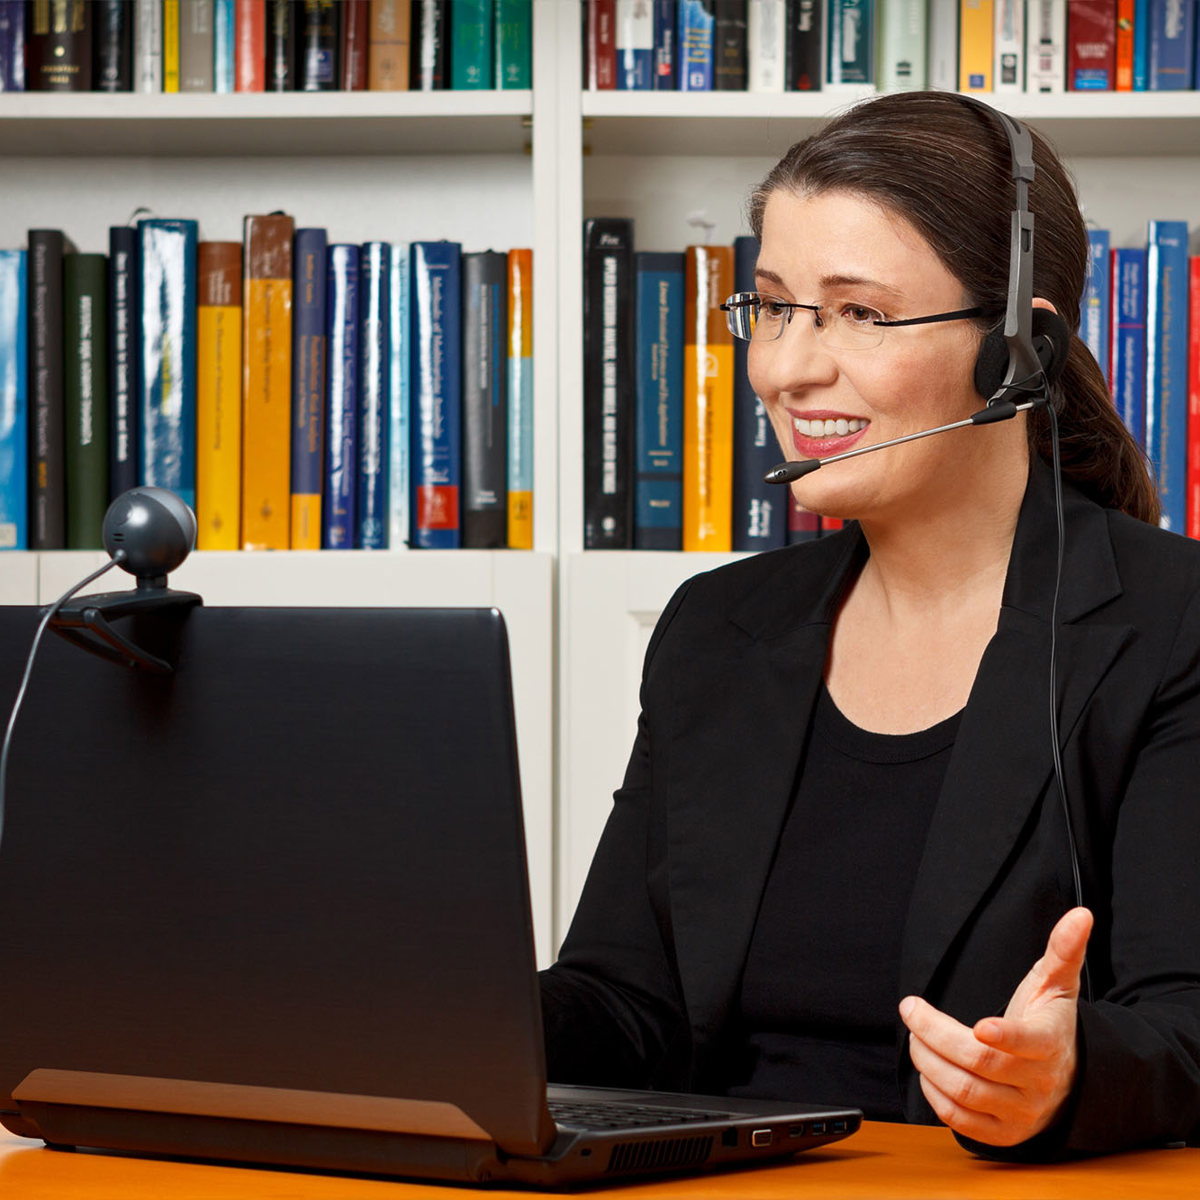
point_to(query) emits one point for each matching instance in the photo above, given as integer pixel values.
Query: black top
(821, 986)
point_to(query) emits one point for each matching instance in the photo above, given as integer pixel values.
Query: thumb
(1066, 947)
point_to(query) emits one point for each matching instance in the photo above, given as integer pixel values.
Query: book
(58, 45)
(12, 47)
(44, 363)
(14, 406)
(608, 392)
(219, 395)
(729, 46)
(388, 45)
(1172, 44)
(695, 40)
(942, 47)
(196, 46)
(266, 381)
(520, 399)
(766, 45)
(830, 525)
(666, 42)
(435, 380)
(338, 515)
(399, 390)
(514, 44)
(658, 423)
(224, 57)
(904, 45)
(1166, 365)
(166, 353)
(170, 24)
(1123, 47)
(1091, 45)
(472, 44)
(320, 48)
(600, 44)
(1046, 46)
(850, 56)
(124, 330)
(1193, 423)
(85, 397)
(148, 46)
(310, 340)
(976, 42)
(371, 507)
(282, 39)
(428, 71)
(1096, 316)
(249, 45)
(1128, 339)
(355, 35)
(1141, 45)
(802, 525)
(485, 400)
(707, 400)
(634, 42)
(1008, 73)
(803, 52)
(112, 46)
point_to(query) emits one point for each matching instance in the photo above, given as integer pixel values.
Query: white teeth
(820, 429)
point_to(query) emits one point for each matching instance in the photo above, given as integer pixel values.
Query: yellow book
(520, 399)
(266, 382)
(170, 25)
(707, 401)
(976, 30)
(219, 396)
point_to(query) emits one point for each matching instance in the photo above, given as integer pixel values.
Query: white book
(903, 45)
(942, 65)
(634, 35)
(766, 45)
(1009, 45)
(1046, 46)
(147, 46)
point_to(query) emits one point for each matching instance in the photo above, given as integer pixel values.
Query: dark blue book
(635, 47)
(338, 518)
(760, 517)
(373, 396)
(695, 45)
(658, 422)
(14, 411)
(1172, 44)
(1129, 338)
(166, 354)
(666, 52)
(124, 454)
(1167, 366)
(1141, 45)
(435, 377)
(310, 275)
(12, 46)
(1095, 315)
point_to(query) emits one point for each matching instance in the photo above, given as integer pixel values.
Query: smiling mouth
(818, 428)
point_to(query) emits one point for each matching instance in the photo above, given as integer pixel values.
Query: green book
(472, 35)
(514, 44)
(85, 390)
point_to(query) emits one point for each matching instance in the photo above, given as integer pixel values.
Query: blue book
(166, 354)
(224, 41)
(666, 33)
(399, 436)
(12, 46)
(1172, 45)
(850, 35)
(760, 510)
(695, 43)
(1129, 339)
(310, 274)
(1141, 45)
(635, 47)
(14, 403)
(374, 375)
(338, 518)
(1167, 365)
(435, 300)
(658, 406)
(1095, 317)
(124, 454)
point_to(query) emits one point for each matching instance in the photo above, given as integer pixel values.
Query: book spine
(1166, 365)
(976, 38)
(1193, 425)
(430, 48)
(167, 354)
(830, 525)
(1141, 45)
(904, 45)
(389, 46)
(170, 23)
(219, 396)
(310, 273)
(802, 525)
(1091, 45)
(338, 519)
(12, 47)
(666, 44)
(729, 46)
(59, 46)
(196, 51)
(707, 401)
(942, 45)
(520, 399)
(435, 296)
(147, 46)
(658, 443)
(634, 45)
(1123, 47)
(14, 403)
(485, 400)
(266, 381)
(249, 45)
(355, 34)
(851, 42)
(371, 510)
(696, 45)
(1129, 339)
(112, 46)
(124, 463)
(601, 44)
(47, 490)
(1009, 66)
(224, 56)
(399, 424)
(608, 395)
(1046, 46)
(320, 42)
(805, 42)
(1096, 298)
(1172, 45)
(766, 45)
(472, 49)
(514, 44)
(282, 38)
(85, 392)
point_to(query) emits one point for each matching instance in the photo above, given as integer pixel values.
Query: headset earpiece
(991, 364)
(1051, 342)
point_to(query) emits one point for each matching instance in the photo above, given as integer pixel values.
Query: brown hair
(945, 166)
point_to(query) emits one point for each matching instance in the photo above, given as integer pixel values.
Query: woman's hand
(1006, 1079)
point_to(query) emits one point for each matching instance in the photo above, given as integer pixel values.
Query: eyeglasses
(840, 325)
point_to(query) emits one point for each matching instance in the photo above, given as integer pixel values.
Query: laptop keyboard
(578, 1114)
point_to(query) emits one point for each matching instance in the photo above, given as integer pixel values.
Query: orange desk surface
(895, 1162)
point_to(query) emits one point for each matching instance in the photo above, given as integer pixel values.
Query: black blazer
(649, 975)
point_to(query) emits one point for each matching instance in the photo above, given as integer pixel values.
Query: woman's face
(840, 249)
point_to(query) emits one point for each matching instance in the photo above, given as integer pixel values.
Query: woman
(840, 868)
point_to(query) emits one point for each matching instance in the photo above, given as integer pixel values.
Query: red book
(602, 45)
(1091, 45)
(356, 42)
(1193, 425)
(803, 525)
(250, 46)
(831, 524)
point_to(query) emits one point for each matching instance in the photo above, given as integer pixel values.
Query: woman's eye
(773, 309)
(859, 314)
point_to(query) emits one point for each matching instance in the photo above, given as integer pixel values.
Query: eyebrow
(832, 281)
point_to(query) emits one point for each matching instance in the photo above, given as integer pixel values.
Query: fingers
(936, 1033)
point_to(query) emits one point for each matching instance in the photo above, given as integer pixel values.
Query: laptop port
(796, 1131)
(817, 1127)
(760, 1138)
(838, 1126)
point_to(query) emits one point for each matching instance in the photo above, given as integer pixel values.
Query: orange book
(1124, 52)
(388, 38)
(250, 46)
(266, 382)
(707, 401)
(976, 31)
(219, 396)
(520, 399)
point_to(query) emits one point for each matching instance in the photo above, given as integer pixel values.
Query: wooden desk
(893, 1161)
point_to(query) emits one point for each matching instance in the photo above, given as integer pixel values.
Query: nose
(793, 362)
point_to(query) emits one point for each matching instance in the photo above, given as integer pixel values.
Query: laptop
(273, 908)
